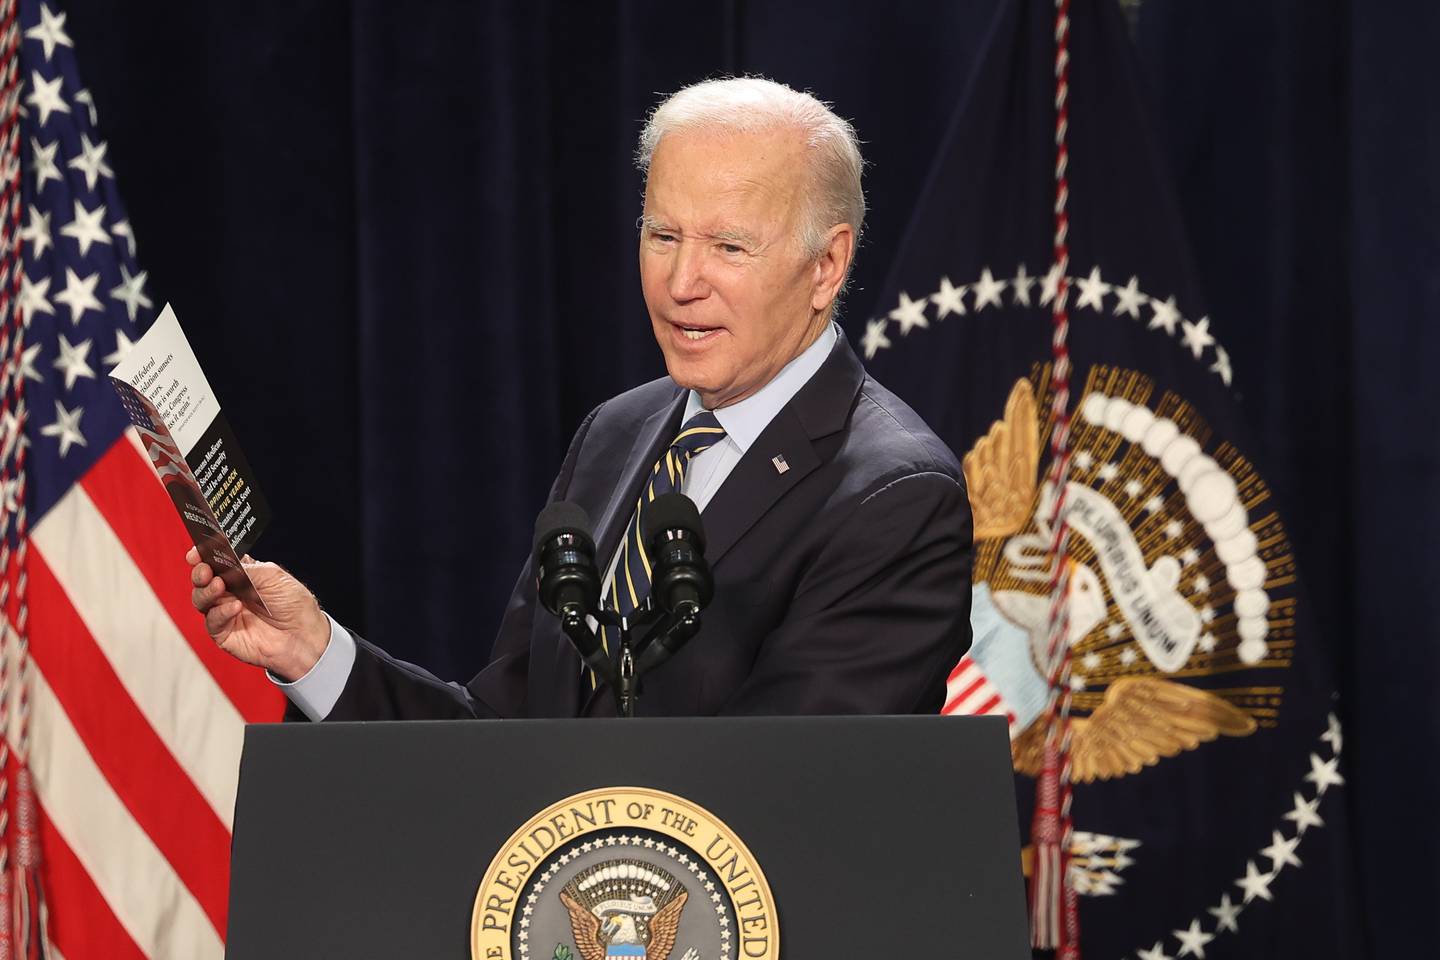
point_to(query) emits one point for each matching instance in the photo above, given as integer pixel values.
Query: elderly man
(837, 523)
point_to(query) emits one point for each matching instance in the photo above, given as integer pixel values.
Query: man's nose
(687, 273)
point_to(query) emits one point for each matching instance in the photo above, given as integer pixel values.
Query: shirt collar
(744, 421)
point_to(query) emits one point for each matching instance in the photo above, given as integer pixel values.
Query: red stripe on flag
(81, 923)
(125, 491)
(959, 697)
(152, 785)
(987, 706)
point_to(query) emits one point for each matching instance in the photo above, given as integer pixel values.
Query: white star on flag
(1254, 883)
(79, 295)
(987, 290)
(1222, 365)
(1281, 851)
(83, 96)
(71, 361)
(1092, 291)
(45, 95)
(86, 228)
(948, 299)
(27, 363)
(50, 32)
(36, 233)
(43, 160)
(1166, 315)
(1193, 940)
(1107, 472)
(131, 291)
(1050, 285)
(910, 314)
(121, 228)
(1155, 953)
(91, 162)
(1324, 774)
(875, 340)
(1129, 299)
(1332, 735)
(1020, 286)
(1226, 914)
(1306, 814)
(66, 427)
(123, 346)
(1197, 335)
(33, 297)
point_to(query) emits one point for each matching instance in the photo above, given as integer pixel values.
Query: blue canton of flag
(1204, 755)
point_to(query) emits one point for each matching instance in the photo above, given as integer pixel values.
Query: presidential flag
(123, 720)
(1138, 612)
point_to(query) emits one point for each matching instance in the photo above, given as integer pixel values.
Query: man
(837, 524)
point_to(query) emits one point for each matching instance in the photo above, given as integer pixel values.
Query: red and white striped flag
(124, 722)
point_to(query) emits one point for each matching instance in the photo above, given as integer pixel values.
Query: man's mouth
(695, 333)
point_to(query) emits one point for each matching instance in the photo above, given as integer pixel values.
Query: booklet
(193, 450)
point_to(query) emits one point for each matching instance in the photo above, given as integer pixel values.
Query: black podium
(685, 839)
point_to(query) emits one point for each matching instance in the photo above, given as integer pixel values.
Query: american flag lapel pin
(780, 465)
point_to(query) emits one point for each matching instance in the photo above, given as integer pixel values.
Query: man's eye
(732, 248)
(663, 237)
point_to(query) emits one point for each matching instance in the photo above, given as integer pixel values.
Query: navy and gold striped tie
(630, 583)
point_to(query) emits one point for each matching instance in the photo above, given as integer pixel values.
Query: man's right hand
(287, 642)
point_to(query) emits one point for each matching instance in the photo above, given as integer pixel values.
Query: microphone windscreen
(561, 517)
(672, 511)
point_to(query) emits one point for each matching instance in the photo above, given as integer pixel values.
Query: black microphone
(680, 580)
(568, 583)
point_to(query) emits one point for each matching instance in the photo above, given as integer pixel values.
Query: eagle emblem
(624, 908)
(1167, 584)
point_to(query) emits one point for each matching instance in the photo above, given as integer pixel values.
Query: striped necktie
(630, 583)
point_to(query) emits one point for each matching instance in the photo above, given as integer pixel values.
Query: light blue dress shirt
(316, 692)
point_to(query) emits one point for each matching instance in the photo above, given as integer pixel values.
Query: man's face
(727, 286)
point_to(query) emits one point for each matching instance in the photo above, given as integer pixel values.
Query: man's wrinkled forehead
(718, 170)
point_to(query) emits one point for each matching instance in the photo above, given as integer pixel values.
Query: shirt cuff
(316, 692)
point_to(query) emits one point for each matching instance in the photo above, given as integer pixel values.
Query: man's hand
(288, 642)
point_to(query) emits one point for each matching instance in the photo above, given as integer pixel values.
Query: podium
(807, 838)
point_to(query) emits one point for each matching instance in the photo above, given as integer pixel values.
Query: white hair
(753, 104)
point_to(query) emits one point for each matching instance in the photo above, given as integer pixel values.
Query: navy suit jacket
(842, 585)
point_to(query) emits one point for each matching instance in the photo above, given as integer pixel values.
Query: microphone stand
(635, 660)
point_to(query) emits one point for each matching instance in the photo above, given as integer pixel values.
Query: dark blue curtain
(402, 238)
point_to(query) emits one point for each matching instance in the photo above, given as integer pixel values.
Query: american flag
(123, 720)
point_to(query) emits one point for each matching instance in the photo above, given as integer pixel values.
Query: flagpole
(1054, 912)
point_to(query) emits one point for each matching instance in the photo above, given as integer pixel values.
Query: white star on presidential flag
(1225, 914)
(948, 299)
(1107, 472)
(1092, 291)
(987, 290)
(1166, 315)
(27, 363)
(1332, 735)
(36, 233)
(1281, 851)
(43, 158)
(910, 313)
(1155, 953)
(1129, 299)
(91, 161)
(66, 427)
(1193, 940)
(1222, 365)
(1324, 774)
(1254, 883)
(1197, 335)
(121, 228)
(79, 295)
(131, 291)
(71, 361)
(123, 346)
(45, 94)
(83, 96)
(50, 31)
(875, 340)
(86, 227)
(33, 298)
(1020, 286)
(1207, 642)
(1050, 285)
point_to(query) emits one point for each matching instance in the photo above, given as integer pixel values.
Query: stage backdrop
(402, 239)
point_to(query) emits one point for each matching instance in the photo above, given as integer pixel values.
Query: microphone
(680, 580)
(568, 583)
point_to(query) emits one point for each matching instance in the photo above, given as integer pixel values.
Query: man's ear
(831, 265)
